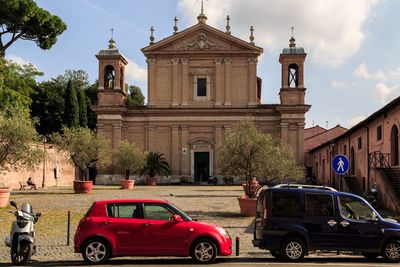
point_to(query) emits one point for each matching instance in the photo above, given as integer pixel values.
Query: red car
(114, 228)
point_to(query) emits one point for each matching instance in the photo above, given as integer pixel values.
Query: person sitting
(31, 183)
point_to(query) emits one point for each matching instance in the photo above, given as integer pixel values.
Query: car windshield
(354, 208)
(180, 213)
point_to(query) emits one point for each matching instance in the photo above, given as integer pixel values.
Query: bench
(26, 186)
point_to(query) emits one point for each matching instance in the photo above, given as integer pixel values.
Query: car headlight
(223, 232)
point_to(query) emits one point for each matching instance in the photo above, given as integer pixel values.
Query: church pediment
(201, 38)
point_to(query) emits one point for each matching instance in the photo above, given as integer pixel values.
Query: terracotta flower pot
(4, 196)
(151, 181)
(83, 186)
(127, 184)
(247, 206)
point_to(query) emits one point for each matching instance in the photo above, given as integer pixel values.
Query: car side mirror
(176, 218)
(12, 203)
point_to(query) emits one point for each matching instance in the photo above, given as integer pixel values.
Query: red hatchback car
(114, 228)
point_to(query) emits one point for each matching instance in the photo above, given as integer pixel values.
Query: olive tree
(129, 157)
(86, 148)
(249, 153)
(18, 141)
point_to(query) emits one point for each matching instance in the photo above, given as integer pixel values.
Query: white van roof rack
(305, 186)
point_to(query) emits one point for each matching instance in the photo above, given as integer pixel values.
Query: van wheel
(275, 253)
(96, 251)
(370, 256)
(293, 249)
(391, 251)
(204, 251)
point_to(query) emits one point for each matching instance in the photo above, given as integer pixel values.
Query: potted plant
(86, 150)
(131, 159)
(155, 164)
(19, 147)
(248, 153)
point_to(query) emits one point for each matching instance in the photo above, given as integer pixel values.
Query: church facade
(201, 81)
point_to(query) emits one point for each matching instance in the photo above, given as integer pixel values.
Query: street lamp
(44, 162)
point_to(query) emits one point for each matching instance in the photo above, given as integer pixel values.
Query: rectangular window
(344, 149)
(201, 87)
(319, 205)
(286, 204)
(379, 133)
(359, 143)
(123, 210)
(157, 212)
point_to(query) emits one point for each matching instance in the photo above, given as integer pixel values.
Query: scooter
(22, 236)
(372, 196)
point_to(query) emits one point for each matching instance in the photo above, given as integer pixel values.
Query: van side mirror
(176, 218)
(374, 216)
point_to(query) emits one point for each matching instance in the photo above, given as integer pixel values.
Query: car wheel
(391, 251)
(275, 253)
(293, 249)
(96, 251)
(204, 251)
(370, 256)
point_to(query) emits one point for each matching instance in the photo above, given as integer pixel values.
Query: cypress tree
(83, 120)
(71, 111)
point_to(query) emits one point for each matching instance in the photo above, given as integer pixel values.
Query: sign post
(340, 165)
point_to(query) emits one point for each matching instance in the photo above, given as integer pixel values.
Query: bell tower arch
(292, 59)
(111, 90)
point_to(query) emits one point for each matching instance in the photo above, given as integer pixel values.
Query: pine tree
(83, 120)
(71, 111)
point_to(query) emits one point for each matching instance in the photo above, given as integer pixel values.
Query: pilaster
(185, 82)
(252, 82)
(218, 82)
(175, 82)
(185, 150)
(227, 63)
(175, 150)
(151, 80)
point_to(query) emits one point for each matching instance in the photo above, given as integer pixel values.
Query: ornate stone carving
(201, 42)
(201, 70)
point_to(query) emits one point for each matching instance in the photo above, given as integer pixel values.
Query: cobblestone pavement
(212, 204)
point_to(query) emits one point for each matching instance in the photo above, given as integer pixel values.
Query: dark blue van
(292, 220)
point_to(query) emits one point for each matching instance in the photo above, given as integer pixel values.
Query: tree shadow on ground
(202, 196)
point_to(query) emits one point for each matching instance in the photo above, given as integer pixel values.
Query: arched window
(352, 162)
(293, 75)
(109, 77)
(394, 146)
(121, 78)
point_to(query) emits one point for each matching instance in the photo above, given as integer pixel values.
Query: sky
(353, 60)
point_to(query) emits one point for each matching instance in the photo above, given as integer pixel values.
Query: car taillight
(265, 217)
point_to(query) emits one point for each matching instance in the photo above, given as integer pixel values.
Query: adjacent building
(201, 81)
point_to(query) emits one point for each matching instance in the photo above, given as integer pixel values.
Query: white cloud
(338, 84)
(20, 61)
(362, 71)
(134, 72)
(331, 31)
(383, 93)
(353, 121)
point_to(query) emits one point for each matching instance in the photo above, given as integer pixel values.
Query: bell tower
(292, 59)
(111, 91)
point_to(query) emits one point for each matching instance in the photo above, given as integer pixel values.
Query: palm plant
(156, 164)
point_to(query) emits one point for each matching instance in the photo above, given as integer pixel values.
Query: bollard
(68, 226)
(237, 245)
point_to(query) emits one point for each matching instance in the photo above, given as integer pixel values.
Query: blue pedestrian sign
(340, 164)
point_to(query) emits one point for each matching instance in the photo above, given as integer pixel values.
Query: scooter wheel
(24, 255)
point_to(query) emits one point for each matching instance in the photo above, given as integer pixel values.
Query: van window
(319, 205)
(354, 208)
(286, 204)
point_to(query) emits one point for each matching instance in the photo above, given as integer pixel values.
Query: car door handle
(331, 223)
(344, 223)
(107, 222)
(148, 224)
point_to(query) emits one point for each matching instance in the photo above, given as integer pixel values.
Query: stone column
(300, 147)
(218, 139)
(151, 81)
(218, 83)
(252, 82)
(117, 136)
(185, 146)
(175, 150)
(185, 82)
(151, 138)
(175, 82)
(227, 62)
(284, 133)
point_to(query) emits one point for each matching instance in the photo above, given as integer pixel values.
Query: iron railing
(379, 160)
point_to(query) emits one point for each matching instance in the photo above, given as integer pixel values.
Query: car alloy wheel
(391, 251)
(204, 251)
(96, 251)
(293, 249)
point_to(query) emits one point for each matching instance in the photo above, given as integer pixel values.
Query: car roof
(131, 201)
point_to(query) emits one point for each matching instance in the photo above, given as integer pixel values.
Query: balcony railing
(379, 160)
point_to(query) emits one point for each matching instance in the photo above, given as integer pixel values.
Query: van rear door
(261, 216)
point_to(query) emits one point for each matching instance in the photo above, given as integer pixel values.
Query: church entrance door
(201, 166)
